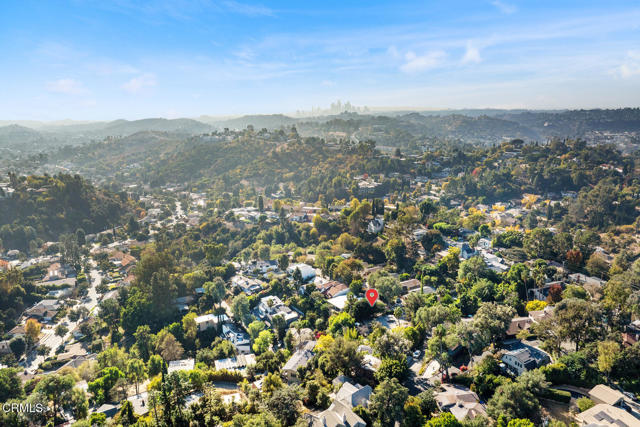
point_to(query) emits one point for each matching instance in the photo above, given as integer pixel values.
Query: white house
(299, 359)
(238, 338)
(238, 363)
(337, 415)
(375, 226)
(354, 394)
(524, 359)
(271, 306)
(207, 321)
(308, 272)
(181, 365)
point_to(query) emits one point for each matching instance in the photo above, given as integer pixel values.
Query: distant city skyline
(90, 60)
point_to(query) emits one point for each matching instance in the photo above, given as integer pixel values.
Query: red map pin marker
(372, 296)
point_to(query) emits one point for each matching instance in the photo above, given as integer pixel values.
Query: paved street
(48, 336)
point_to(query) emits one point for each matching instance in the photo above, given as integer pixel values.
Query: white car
(416, 354)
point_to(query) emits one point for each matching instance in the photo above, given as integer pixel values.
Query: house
(494, 262)
(607, 416)
(484, 244)
(337, 291)
(44, 310)
(210, 320)
(299, 359)
(271, 306)
(18, 331)
(521, 323)
(57, 271)
(124, 262)
(72, 352)
(237, 363)
(605, 394)
(467, 252)
(59, 293)
(333, 289)
(370, 362)
(461, 402)
(523, 358)
(338, 303)
(337, 415)
(375, 226)
(308, 273)
(240, 339)
(181, 365)
(108, 409)
(542, 292)
(580, 278)
(262, 267)
(5, 348)
(418, 234)
(247, 285)
(631, 334)
(410, 285)
(354, 394)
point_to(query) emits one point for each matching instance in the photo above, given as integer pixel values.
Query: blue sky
(130, 59)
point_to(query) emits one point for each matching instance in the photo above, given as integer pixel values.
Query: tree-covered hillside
(47, 206)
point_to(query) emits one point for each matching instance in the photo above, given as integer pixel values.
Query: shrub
(557, 395)
(536, 305)
(584, 403)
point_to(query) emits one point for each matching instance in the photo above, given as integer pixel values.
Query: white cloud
(504, 7)
(137, 84)
(631, 66)
(328, 83)
(471, 55)
(67, 86)
(415, 63)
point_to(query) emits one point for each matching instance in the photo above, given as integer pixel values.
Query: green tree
(283, 262)
(436, 315)
(395, 251)
(143, 341)
(513, 400)
(241, 309)
(387, 402)
(79, 403)
(608, 351)
(255, 328)
(388, 288)
(493, 320)
(263, 342)
(136, 372)
(392, 368)
(445, 419)
(339, 322)
(341, 356)
(215, 290)
(57, 389)
(61, 330)
(154, 365)
(10, 385)
(439, 345)
(283, 403)
(538, 243)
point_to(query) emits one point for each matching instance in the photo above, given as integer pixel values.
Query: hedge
(557, 395)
